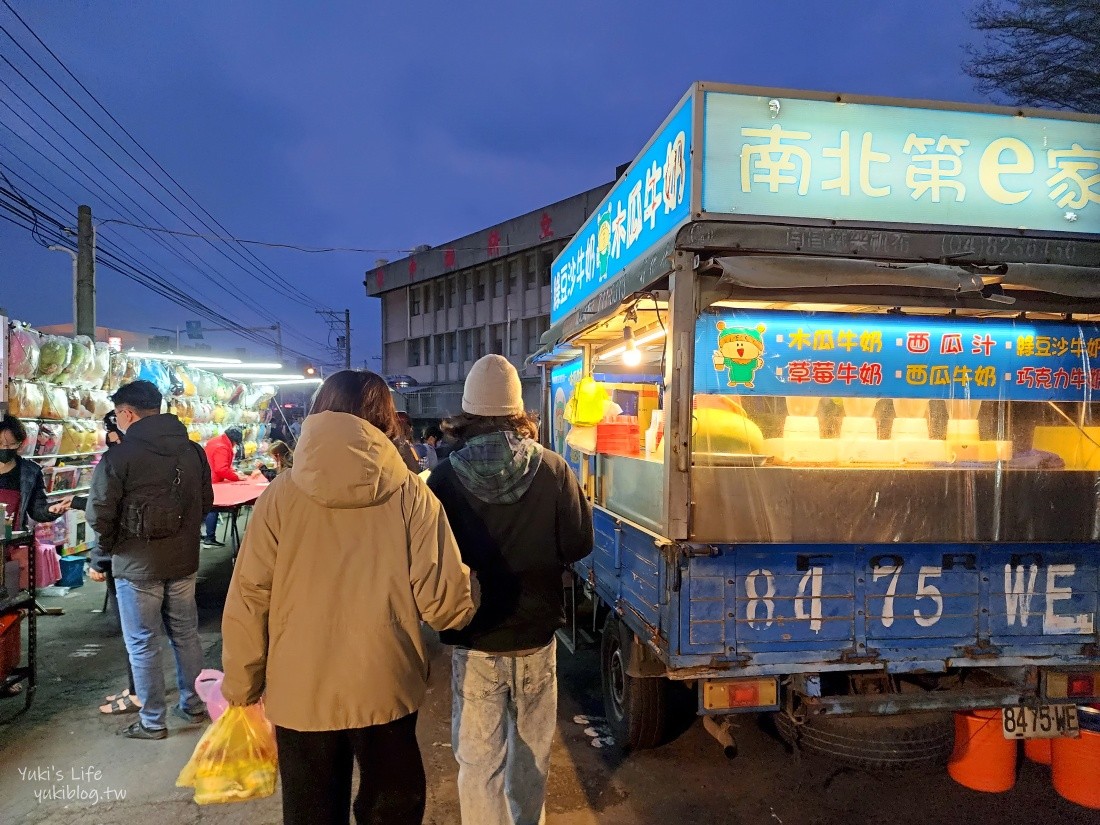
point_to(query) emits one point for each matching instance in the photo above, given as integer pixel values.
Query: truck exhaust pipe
(722, 730)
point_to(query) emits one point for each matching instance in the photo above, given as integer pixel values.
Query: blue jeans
(147, 609)
(211, 522)
(503, 716)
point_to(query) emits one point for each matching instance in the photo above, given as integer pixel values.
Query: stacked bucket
(984, 760)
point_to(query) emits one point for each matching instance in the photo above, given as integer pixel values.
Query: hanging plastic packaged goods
(587, 404)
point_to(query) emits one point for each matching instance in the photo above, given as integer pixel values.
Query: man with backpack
(148, 498)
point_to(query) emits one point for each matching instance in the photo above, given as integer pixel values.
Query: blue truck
(826, 367)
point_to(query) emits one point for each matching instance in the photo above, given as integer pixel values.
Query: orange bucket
(1075, 768)
(983, 759)
(1038, 750)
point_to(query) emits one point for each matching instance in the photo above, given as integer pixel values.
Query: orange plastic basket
(1075, 768)
(983, 760)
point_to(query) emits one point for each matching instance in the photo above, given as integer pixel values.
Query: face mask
(8, 455)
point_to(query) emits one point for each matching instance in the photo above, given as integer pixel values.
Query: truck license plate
(1042, 722)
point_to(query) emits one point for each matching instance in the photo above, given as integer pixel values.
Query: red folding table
(231, 497)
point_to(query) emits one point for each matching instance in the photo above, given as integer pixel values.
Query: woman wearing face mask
(22, 487)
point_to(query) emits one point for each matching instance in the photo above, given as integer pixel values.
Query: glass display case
(829, 426)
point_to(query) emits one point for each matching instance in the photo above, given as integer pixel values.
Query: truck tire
(902, 742)
(636, 709)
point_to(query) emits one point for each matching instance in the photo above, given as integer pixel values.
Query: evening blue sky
(385, 126)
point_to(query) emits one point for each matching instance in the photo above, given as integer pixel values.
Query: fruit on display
(24, 349)
(53, 357)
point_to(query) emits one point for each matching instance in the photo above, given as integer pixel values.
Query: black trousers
(315, 768)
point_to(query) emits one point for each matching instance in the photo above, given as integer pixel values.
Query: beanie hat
(493, 388)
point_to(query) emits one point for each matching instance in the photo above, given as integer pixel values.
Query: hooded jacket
(345, 554)
(219, 452)
(146, 461)
(520, 517)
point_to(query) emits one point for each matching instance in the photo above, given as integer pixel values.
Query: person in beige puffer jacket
(345, 555)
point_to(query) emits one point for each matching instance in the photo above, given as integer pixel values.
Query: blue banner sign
(888, 356)
(563, 380)
(793, 157)
(651, 200)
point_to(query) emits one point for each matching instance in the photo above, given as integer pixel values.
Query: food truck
(826, 367)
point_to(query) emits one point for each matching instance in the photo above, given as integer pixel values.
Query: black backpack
(157, 512)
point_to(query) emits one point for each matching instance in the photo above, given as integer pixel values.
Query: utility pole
(279, 340)
(84, 288)
(342, 350)
(347, 339)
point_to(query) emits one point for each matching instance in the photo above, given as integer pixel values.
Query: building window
(440, 299)
(531, 279)
(452, 293)
(498, 280)
(468, 345)
(427, 342)
(513, 275)
(482, 282)
(439, 349)
(497, 332)
(452, 346)
(546, 260)
(532, 335)
(414, 301)
(414, 352)
(479, 342)
(468, 284)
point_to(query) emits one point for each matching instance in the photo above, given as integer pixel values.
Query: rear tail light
(1073, 685)
(1080, 685)
(740, 694)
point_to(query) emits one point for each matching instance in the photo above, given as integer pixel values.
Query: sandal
(126, 704)
(115, 697)
(11, 690)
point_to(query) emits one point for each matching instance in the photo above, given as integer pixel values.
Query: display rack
(23, 601)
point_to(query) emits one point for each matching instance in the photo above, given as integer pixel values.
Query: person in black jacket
(22, 477)
(22, 488)
(520, 517)
(148, 498)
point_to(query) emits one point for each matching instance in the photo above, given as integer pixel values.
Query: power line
(135, 141)
(186, 256)
(297, 247)
(286, 284)
(119, 264)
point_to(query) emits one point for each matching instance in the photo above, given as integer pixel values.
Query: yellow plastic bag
(586, 405)
(235, 760)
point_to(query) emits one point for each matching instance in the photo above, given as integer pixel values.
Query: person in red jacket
(220, 452)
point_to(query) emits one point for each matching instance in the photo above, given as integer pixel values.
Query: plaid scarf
(498, 468)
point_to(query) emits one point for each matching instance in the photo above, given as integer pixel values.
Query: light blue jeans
(504, 713)
(147, 609)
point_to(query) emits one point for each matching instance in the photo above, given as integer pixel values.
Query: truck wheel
(902, 742)
(636, 709)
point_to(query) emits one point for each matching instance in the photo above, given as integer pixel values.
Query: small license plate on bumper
(1042, 722)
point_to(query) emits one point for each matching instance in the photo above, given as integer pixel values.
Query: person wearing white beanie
(520, 517)
(493, 388)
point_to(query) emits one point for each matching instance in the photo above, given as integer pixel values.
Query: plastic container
(209, 687)
(72, 573)
(983, 760)
(618, 436)
(11, 643)
(1075, 768)
(1038, 750)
